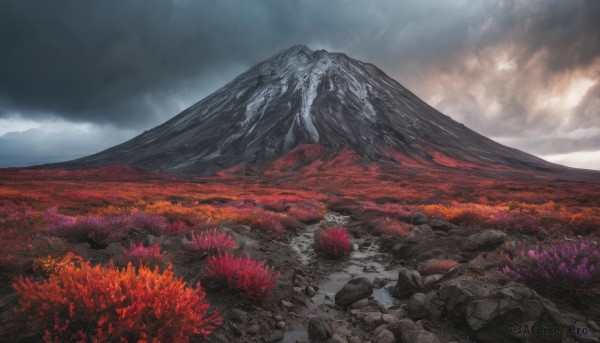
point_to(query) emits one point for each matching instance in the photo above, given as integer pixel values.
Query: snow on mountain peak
(300, 96)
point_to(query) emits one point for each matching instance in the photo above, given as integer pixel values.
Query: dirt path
(366, 260)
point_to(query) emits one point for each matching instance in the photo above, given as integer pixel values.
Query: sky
(77, 77)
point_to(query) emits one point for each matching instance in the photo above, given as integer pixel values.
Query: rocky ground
(378, 294)
(375, 295)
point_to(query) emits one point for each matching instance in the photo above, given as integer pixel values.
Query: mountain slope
(300, 97)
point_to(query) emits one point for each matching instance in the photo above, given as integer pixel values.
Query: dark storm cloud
(526, 72)
(130, 61)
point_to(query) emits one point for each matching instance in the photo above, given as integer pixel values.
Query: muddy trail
(366, 260)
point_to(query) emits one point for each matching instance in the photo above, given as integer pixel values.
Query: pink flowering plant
(210, 242)
(138, 254)
(564, 270)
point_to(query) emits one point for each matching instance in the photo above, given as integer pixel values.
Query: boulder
(417, 306)
(418, 218)
(337, 338)
(275, 336)
(442, 225)
(353, 291)
(421, 336)
(318, 329)
(422, 230)
(385, 336)
(489, 310)
(410, 332)
(488, 239)
(401, 251)
(409, 282)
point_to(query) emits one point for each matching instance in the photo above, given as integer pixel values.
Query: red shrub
(258, 218)
(582, 225)
(289, 222)
(515, 221)
(177, 227)
(334, 242)
(437, 266)
(389, 226)
(307, 214)
(211, 242)
(145, 256)
(99, 304)
(242, 274)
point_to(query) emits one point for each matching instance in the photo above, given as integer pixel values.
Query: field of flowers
(46, 214)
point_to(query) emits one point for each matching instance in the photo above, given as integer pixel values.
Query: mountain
(301, 98)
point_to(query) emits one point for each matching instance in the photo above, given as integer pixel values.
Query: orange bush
(99, 304)
(49, 265)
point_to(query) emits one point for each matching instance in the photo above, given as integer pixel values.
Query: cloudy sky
(77, 76)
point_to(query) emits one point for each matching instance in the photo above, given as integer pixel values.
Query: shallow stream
(364, 261)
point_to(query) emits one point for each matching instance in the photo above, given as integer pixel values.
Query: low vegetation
(334, 242)
(97, 303)
(241, 274)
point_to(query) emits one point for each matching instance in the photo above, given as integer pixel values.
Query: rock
(355, 311)
(288, 274)
(280, 325)
(442, 225)
(489, 309)
(421, 336)
(360, 304)
(254, 329)
(299, 280)
(379, 282)
(380, 328)
(337, 338)
(431, 255)
(406, 324)
(401, 251)
(236, 331)
(354, 339)
(276, 335)
(353, 291)
(113, 249)
(385, 336)
(422, 230)
(430, 280)
(310, 292)
(388, 318)
(418, 218)
(341, 327)
(373, 319)
(485, 261)
(409, 282)
(382, 307)
(286, 303)
(278, 317)
(488, 239)
(238, 316)
(318, 329)
(417, 306)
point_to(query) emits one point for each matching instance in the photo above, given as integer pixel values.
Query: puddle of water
(383, 296)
